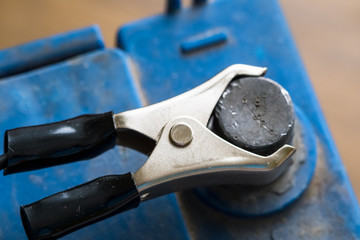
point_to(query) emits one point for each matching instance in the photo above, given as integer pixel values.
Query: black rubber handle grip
(67, 211)
(75, 139)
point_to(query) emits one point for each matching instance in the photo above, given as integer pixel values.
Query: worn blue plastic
(203, 41)
(94, 82)
(100, 80)
(50, 50)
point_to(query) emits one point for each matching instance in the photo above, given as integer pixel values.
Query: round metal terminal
(255, 113)
(254, 201)
(181, 134)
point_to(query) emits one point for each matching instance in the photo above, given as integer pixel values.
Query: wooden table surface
(327, 35)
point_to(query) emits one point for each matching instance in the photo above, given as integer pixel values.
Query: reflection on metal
(208, 160)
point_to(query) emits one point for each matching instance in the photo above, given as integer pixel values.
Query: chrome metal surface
(198, 103)
(185, 153)
(208, 160)
(181, 134)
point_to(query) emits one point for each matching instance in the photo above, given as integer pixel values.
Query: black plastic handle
(75, 139)
(67, 211)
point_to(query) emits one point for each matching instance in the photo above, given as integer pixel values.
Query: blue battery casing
(159, 57)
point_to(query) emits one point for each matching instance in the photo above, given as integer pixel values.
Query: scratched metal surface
(94, 82)
(250, 201)
(256, 34)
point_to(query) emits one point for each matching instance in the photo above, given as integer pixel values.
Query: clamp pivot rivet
(181, 134)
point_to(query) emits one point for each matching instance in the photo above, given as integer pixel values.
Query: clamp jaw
(187, 154)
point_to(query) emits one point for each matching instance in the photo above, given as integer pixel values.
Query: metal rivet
(181, 134)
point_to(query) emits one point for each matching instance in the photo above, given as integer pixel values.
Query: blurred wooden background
(327, 34)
